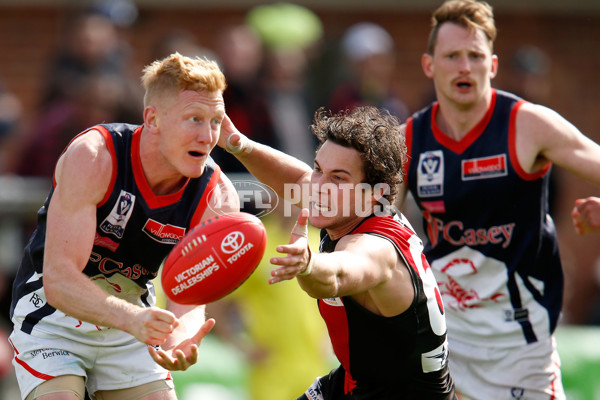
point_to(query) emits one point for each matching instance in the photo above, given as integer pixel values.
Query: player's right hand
(298, 252)
(153, 325)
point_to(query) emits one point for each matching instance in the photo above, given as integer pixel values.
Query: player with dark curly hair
(375, 289)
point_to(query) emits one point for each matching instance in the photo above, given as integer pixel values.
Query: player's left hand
(180, 356)
(232, 140)
(586, 215)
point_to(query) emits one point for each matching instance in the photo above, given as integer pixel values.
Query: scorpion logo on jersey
(119, 216)
(461, 284)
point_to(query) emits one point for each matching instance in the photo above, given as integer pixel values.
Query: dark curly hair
(375, 134)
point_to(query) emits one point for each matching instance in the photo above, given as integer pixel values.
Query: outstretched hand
(298, 252)
(180, 356)
(586, 215)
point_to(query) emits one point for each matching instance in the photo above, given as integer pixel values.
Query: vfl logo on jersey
(517, 393)
(334, 301)
(484, 168)
(169, 234)
(117, 220)
(430, 174)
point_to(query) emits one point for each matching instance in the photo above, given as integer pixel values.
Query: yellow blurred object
(287, 340)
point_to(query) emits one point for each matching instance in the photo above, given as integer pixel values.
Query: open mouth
(196, 154)
(464, 85)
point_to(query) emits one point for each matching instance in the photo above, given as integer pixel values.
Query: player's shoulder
(226, 188)
(534, 118)
(90, 143)
(368, 241)
(87, 156)
(223, 198)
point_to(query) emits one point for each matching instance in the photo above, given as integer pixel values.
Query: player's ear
(151, 118)
(427, 65)
(494, 70)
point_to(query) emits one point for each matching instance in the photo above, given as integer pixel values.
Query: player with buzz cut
(122, 196)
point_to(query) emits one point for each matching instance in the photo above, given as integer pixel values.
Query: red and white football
(214, 258)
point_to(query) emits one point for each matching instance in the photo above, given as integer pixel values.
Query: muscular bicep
(82, 176)
(375, 275)
(363, 263)
(544, 136)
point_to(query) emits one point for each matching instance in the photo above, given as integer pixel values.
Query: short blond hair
(470, 14)
(176, 72)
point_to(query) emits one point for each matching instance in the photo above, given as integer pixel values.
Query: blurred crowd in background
(279, 71)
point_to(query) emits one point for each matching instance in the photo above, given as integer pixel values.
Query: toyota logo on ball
(232, 242)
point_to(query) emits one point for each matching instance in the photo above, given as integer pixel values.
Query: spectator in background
(291, 35)
(529, 77)
(10, 124)
(182, 42)
(289, 101)
(369, 49)
(87, 82)
(95, 100)
(91, 45)
(10, 118)
(240, 53)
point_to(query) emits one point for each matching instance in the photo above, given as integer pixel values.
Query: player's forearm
(322, 281)
(79, 298)
(283, 173)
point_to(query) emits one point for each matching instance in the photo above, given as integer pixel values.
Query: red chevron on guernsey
(163, 233)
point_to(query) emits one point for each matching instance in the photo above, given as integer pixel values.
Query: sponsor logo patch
(484, 168)
(162, 233)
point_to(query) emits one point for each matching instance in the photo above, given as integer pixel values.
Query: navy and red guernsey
(492, 244)
(398, 357)
(135, 231)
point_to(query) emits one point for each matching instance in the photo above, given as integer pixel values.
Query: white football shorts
(42, 356)
(530, 372)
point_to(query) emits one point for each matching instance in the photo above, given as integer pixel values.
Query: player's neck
(456, 121)
(160, 176)
(339, 230)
